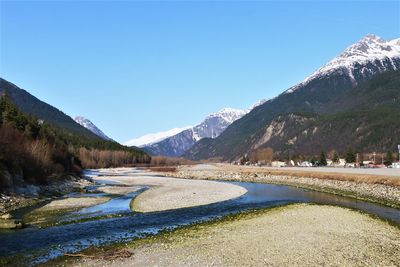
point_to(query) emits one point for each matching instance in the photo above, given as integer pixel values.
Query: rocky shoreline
(29, 195)
(384, 194)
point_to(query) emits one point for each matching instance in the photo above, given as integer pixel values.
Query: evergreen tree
(389, 158)
(244, 159)
(313, 161)
(350, 156)
(335, 157)
(1, 108)
(322, 159)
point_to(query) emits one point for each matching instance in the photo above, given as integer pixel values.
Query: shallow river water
(41, 245)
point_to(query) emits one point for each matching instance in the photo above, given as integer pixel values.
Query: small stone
(6, 216)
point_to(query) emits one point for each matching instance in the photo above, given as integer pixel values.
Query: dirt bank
(32, 195)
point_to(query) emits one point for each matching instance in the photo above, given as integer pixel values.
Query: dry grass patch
(359, 178)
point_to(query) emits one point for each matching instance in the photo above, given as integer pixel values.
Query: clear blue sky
(135, 67)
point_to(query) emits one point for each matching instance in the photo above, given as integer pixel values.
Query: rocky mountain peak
(91, 127)
(381, 53)
(228, 114)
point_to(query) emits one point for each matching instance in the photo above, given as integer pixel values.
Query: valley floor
(296, 235)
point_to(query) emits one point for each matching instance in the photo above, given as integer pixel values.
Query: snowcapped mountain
(91, 127)
(215, 123)
(367, 57)
(211, 127)
(334, 108)
(152, 138)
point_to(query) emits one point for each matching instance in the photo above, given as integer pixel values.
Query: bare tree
(262, 155)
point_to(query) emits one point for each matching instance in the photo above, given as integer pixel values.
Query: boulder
(28, 190)
(10, 224)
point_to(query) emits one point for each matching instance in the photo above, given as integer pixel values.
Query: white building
(306, 164)
(341, 163)
(278, 164)
(396, 165)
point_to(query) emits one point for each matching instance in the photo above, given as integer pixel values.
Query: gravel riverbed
(295, 235)
(386, 194)
(167, 193)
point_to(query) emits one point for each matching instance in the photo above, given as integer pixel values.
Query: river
(41, 244)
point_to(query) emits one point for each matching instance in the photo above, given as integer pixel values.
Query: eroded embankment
(11, 202)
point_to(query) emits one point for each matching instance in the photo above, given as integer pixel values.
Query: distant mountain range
(177, 141)
(91, 127)
(153, 138)
(353, 100)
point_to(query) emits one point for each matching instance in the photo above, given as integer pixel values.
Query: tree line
(32, 150)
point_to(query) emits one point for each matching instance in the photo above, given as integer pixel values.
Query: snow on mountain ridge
(184, 138)
(225, 116)
(211, 127)
(371, 48)
(91, 127)
(228, 114)
(152, 138)
(215, 123)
